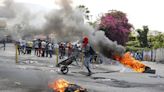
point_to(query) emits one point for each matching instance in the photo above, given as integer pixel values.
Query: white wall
(159, 55)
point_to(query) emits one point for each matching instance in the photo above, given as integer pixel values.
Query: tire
(147, 69)
(64, 69)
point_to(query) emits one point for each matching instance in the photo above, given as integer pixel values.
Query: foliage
(142, 37)
(157, 41)
(134, 44)
(132, 48)
(116, 26)
(85, 11)
(154, 41)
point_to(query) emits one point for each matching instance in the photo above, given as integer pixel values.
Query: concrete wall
(156, 55)
(159, 55)
(147, 55)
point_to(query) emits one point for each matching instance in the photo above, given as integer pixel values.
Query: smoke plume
(66, 22)
(68, 25)
(20, 20)
(7, 11)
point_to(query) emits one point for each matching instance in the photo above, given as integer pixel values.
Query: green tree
(157, 41)
(133, 43)
(142, 36)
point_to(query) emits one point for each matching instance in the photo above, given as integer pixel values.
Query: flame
(59, 85)
(130, 62)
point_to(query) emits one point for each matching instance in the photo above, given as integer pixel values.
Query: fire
(59, 85)
(130, 62)
(62, 85)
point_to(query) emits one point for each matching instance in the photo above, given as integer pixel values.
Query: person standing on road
(4, 44)
(43, 46)
(69, 49)
(29, 47)
(50, 49)
(46, 49)
(40, 48)
(62, 50)
(76, 53)
(36, 46)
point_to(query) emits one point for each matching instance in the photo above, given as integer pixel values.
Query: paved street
(33, 74)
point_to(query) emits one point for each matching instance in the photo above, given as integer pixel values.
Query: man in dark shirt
(4, 44)
(40, 47)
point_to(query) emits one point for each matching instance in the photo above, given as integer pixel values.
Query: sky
(139, 12)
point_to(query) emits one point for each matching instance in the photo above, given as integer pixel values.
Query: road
(33, 74)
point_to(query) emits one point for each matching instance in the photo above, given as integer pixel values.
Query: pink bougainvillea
(116, 26)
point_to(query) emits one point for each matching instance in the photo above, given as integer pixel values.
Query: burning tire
(62, 85)
(149, 70)
(64, 69)
(75, 88)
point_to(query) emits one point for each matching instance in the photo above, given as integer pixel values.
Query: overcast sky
(139, 12)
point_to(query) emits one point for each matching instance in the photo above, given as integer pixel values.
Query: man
(69, 49)
(87, 54)
(76, 53)
(29, 47)
(36, 46)
(40, 47)
(47, 51)
(62, 50)
(50, 49)
(43, 46)
(4, 44)
(22, 46)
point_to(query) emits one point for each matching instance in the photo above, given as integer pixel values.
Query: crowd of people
(68, 49)
(41, 48)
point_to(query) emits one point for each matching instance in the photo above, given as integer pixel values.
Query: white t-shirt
(43, 44)
(50, 46)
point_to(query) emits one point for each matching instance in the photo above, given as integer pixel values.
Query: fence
(154, 55)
